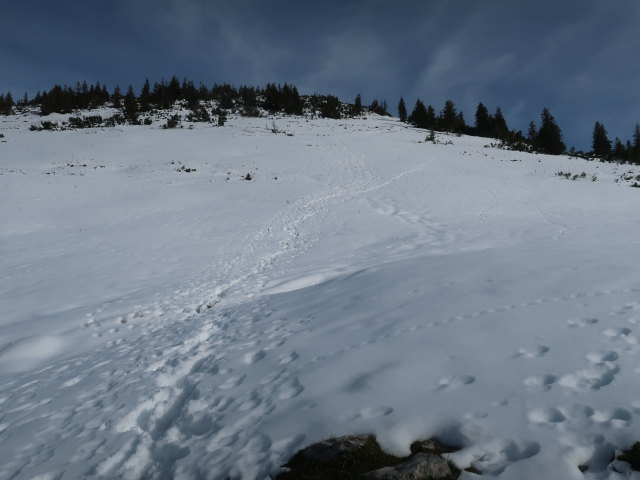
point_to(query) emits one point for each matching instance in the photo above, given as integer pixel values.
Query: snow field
(167, 324)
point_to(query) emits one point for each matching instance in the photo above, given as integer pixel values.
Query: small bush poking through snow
(45, 125)
(632, 456)
(172, 122)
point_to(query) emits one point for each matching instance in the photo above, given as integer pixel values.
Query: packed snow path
(168, 324)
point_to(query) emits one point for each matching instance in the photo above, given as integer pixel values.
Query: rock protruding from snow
(431, 446)
(334, 450)
(423, 466)
(360, 456)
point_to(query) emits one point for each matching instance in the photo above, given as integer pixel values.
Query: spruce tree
(601, 145)
(145, 97)
(430, 120)
(448, 120)
(379, 108)
(418, 117)
(116, 97)
(635, 154)
(483, 121)
(271, 96)
(549, 138)
(532, 133)
(3, 106)
(630, 158)
(6, 104)
(619, 152)
(356, 110)
(174, 92)
(402, 110)
(499, 128)
(130, 106)
(461, 125)
(330, 107)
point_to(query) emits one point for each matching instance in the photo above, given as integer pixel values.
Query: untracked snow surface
(157, 322)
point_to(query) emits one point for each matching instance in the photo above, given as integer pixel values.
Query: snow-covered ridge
(164, 317)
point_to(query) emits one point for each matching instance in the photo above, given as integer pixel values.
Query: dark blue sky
(577, 57)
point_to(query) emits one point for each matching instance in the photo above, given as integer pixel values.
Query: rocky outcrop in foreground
(360, 457)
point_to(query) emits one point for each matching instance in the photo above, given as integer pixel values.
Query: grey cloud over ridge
(577, 57)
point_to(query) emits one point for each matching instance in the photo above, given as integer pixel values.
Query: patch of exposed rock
(422, 466)
(360, 457)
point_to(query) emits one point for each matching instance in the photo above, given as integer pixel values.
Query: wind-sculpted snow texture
(158, 323)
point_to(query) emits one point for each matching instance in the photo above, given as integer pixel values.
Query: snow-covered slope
(164, 323)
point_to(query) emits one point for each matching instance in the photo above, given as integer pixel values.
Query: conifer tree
(402, 110)
(532, 133)
(418, 117)
(271, 96)
(5, 104)
(330, 107)
(430, 120)
(130, 106)
(629, 153)
(174, 91)
(357, 106)
(105, 94)
(448, 120)
(619, 152)
(549, 138)
(116, 97)
(379, 108)
(461, 125)
(601, 145)
(294, 104)
(483, 121)
(499, 129)
(9, 104)
(145, 97)
(636, 144)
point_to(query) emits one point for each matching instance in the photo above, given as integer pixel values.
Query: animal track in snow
(546, 415)
(208, 364)
(290, 389)
(616, 332)
(582, 322)
(495, 456)
(72, 381)
(233, 381)
(593, 378)
(455, 381)
(613, 414)
(532, 352)
(375, 412)
(541, 383)
(288, 358)
(602, 357)
(620, 334)
(578, 412)
(631, 307)
(253, 357)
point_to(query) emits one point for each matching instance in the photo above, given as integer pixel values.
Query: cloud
(575, 56)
